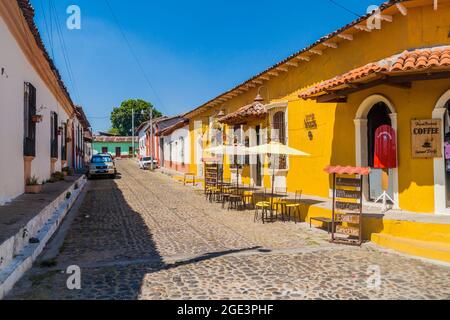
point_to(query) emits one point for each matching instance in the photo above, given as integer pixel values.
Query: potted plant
(36, 118)
(32, 186)
(68, 171)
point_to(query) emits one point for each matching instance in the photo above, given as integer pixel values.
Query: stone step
(427, 249)
(18, 253)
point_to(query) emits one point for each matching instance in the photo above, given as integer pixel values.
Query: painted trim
(440, 195)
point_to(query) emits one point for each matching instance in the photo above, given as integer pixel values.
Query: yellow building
(391, 67)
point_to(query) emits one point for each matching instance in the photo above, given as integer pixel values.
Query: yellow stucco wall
(334, 140)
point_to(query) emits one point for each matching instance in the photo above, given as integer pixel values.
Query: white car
(146, 162)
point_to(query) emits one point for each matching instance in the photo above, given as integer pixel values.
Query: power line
(65, 53)
(47, 29)
(345, 8)
(133, 53)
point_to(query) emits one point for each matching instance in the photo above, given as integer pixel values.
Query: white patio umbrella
(233, 150)
(276, 148)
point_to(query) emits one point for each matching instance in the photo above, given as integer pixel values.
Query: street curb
(41, 227)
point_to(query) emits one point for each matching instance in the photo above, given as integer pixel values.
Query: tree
(114, 132)
(121, 117)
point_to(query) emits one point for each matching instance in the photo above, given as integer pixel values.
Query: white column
(393, 117)
(440, 196)
(361, 150)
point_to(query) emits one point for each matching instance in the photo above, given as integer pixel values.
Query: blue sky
(190, 50)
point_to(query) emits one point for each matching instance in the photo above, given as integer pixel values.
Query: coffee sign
(426, 138)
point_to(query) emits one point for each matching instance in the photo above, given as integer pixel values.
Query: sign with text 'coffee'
(426, 138)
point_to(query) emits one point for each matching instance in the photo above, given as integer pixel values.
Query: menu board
(347, 209)
(211, 175)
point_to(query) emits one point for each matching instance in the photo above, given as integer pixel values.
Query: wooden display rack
(212, 174)
(347, 217)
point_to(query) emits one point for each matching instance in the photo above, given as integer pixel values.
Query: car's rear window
(146, 159)
(101, 159)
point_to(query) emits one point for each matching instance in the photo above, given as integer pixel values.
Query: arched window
(279, 127)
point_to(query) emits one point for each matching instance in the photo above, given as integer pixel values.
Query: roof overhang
(398, 71)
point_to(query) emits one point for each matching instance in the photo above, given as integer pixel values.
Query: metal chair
(261, 203)
(295, 206)
(280, 203)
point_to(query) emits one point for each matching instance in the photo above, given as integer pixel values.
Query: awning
(254, 111)
(399, 70)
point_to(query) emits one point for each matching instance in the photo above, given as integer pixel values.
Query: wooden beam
(283, 69)
(273, 73)
(403, 10)
(332, 45)
(348, 37)
(266, 78)
(386, 18)
(304, 58)
(316, 51)
(292, 64)
(363, 28)
(257, 81)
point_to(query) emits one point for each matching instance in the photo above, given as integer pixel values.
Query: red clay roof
(114, 139)
(255, 110)
(437, 58)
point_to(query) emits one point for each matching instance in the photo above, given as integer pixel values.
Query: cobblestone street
(144, 236)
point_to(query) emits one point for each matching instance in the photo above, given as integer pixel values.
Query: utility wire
(65, 53)
(133, 53)
(345, 8)
(47, 29)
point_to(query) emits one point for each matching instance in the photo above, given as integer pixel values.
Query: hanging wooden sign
(426, 138)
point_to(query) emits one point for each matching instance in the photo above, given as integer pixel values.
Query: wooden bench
(324, 220)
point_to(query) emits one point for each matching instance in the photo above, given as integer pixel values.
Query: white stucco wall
(142, 141)
(17, 71)
(175, 140)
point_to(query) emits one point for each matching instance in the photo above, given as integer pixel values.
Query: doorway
(118, 152)
(377, 117)
(447, 152)
(371, 185)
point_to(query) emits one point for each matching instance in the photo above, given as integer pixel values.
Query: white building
(36, 111)
(176, 151)
(143, 138)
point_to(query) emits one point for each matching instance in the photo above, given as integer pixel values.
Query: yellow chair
(295, 206)
(261, 203)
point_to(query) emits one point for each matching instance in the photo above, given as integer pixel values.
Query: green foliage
(121, 117)
(33, 181)
(114, 132)
(58, 176)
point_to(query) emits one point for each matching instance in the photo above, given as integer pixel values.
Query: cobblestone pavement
(144, 236)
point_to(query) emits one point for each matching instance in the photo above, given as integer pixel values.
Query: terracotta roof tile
(347, 170)
(416, 60)
(255, 110)
(28, 13)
